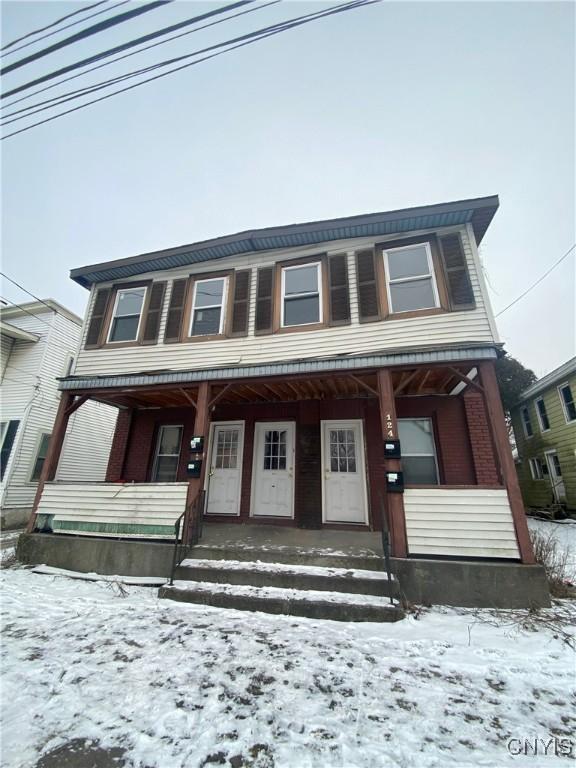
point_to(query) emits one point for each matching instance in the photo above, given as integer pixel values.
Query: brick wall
(485, 464)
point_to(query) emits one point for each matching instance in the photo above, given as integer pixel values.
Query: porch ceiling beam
(187, 396)
(363, 384)
(272, 391)
(220, 394)
(76, 404)
(425, 378)
(404, 383)
(255, 392)
(465, 379)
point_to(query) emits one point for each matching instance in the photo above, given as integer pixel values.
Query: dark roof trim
(479, 212)
(345, 363)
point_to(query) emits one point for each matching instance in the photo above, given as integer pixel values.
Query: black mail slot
(392, 449)
(194, 468)
(395, 482)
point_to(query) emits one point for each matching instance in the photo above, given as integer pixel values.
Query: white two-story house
(39, 341)
(333, 375)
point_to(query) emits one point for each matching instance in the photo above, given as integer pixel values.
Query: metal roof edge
(314, 365)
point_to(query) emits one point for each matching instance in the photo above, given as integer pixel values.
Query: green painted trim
(117, 528)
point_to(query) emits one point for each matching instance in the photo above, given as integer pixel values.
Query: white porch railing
(460, 522)
(141, 510)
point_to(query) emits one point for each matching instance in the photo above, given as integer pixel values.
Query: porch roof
(478, 212)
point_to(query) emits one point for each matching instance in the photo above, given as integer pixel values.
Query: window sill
(296, 328)
(120, 344)
(206, 337)
(417, 313)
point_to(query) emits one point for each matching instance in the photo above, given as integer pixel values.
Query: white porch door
(273, 475)
(555, 473)
(224, 478)
(344, 476)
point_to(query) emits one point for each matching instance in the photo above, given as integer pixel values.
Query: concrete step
(289, 555)
(288, 576)
(337, 606)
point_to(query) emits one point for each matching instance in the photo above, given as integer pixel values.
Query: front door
(225, 469)
(555, 474)
(273, 475)
(344, 476)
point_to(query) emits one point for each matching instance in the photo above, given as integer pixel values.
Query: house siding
(561, 437)
(389, 334)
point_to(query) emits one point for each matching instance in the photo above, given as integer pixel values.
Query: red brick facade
(464, 449)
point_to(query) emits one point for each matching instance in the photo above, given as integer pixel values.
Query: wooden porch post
(65, 410)
(394, 501)
(201, 426)
(504, 453)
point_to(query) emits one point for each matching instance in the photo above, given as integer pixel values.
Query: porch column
(120, 444)
(65, 410)
(394, 501)
(504, 453)
(201, 426)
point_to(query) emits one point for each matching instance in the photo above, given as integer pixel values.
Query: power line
(30, 293)
(13, 303)
(123, 47)
(93, 30)
(67, 26)
(252, 38)
(560, 260)
(53, 24)
(128, 55)
(70, 349)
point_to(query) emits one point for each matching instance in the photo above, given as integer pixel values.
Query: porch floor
(297, 541)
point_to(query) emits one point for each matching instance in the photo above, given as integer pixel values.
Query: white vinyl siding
(360, 338)
(462, 522)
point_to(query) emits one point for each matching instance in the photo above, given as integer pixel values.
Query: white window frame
(536, 468)
(35, 456)
(539, 415)
(318, 265)
(157, 453)
(434, 451)
(561, 396)
(431, 274)
(526, 435)
(116, 300)
(222, 306)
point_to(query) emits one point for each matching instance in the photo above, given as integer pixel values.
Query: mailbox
(395, 482)
(392, 449)
(197, 444)
(194, 468)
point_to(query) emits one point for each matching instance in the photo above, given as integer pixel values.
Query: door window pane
(342, 450)
(275, 449)
(418, 451)
(227, 449)
(167, 453)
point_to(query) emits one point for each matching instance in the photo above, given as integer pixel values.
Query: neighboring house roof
(17, 333)
(557, 376)
(35, 307)
(478, 212)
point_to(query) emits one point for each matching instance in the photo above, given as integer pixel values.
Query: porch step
(284, 576)
(337, 606)
(366, 559)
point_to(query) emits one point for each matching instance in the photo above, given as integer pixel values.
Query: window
(127, 313)
(3, 429)
(301, 295)
(208, 306)
(167, 454)
(542, 415)
(410, 278)
(568, 404)
(275, 449)
(526, 423)
(40, 457)
(536, 469)
(342, 450)
(418, 452)
(227, 449)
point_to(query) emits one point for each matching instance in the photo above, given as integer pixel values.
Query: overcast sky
(390, 106)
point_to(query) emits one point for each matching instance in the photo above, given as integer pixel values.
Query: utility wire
(246, 40)
(123, 47)
(93, 30)
(30, 294)
(560, 260)
(52, 343)
(67, 26)
(128, 55)
(53, 24)
(13, 303)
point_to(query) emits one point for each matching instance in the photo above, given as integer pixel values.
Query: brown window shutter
(264, 300)
(456, 270)
(368, 304)
(175, 311)
(241, 304)
(154, 313)
(339, 294)
(97, 319)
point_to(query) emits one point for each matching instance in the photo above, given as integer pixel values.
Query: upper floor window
(208, 306)
(542, 414)
(568, 404)
(301, 294)
(410, 279)
(126, 315)
(418, 451)
(526, 422)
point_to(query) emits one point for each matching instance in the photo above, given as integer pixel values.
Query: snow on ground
(564, 533)
(171, 685)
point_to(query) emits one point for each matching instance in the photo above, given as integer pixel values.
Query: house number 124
(389, 426)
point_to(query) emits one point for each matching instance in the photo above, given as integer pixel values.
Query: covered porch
(418, 448)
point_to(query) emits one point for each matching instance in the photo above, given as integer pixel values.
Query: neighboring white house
(38, 344)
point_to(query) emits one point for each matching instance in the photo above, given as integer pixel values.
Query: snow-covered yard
(97, 672)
